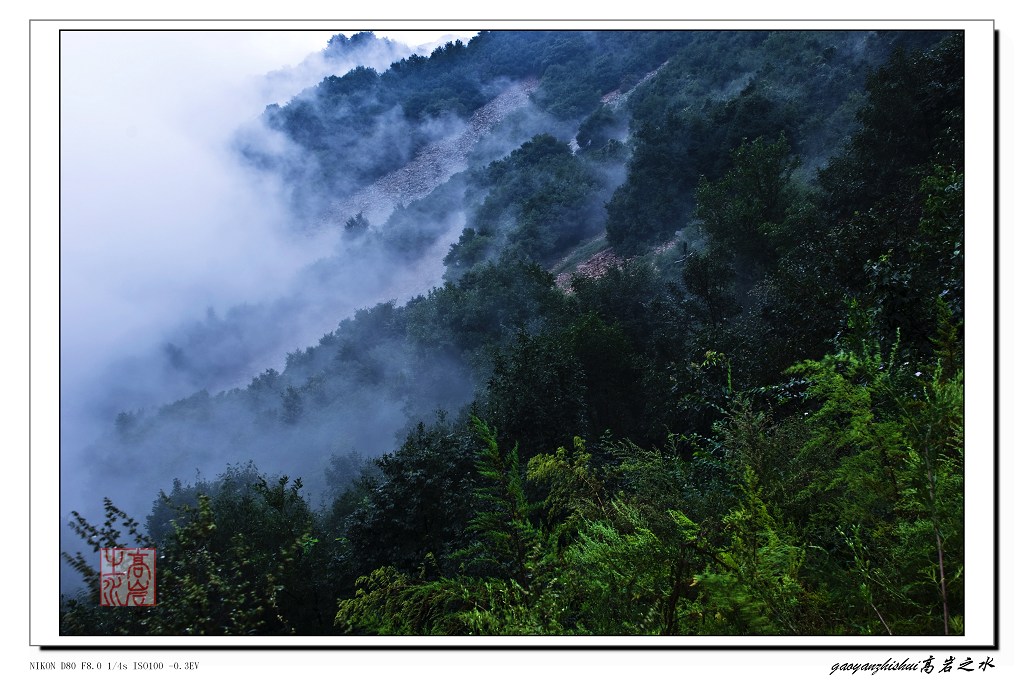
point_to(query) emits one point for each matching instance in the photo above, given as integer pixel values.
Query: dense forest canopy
(696, 366)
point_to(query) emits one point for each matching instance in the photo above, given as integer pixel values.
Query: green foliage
(579, 67)
(388, 602)
(742, 213)
(620, 575)
(894, 198)
(625, 297)
(574, 489)
(484, 310)
(501, 560)
(753, 586)
(536, 394)
(536, 202)
(236, 557)
(387, 117)
(670, 155)
(473, 247)
(119, 530)
(894, 432)
(615, 397)
(418, 504)
(709, 280)
(684, 476)
(506, 538)
(603, 125)
(924, 266)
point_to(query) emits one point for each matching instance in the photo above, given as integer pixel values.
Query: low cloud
(183, 267)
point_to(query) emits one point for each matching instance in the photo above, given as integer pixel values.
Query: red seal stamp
(128, 577)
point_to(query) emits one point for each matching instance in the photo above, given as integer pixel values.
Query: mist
(184, 269)
(241, 217)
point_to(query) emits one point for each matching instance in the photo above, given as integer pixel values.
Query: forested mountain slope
(749, 420)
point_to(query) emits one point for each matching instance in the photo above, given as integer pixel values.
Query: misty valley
(589, 333)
